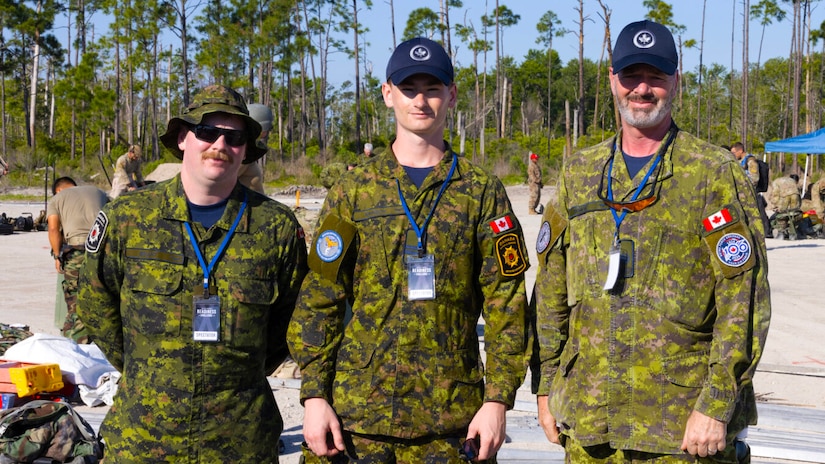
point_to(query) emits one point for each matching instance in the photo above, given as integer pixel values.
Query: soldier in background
(817, 200)
(652, 302)
(252, 174)
(188, 286)
(785, 201)
(128, 174)
(414, 247)
(70, 215)
(534, 183)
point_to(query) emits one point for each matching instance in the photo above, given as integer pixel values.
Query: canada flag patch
(717, 220)
(502, 224)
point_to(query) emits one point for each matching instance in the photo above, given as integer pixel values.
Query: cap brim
(403, 74)
(657, 62)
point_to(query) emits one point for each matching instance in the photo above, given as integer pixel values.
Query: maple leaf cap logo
(644, 39)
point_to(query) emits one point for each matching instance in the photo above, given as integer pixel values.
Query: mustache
(646, 98)
(216, 155)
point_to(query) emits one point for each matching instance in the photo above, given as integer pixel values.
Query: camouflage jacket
(685, 326)
(784, 195)
(751, 167)
(534, 174)
(401, 368)
(182, 400)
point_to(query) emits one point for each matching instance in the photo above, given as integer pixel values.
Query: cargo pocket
(153, 284)
(684, 376)
(246, 314)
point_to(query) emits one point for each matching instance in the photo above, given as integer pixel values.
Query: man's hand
(704, 435)
(322, 429)
(546, 420)
(489, 425)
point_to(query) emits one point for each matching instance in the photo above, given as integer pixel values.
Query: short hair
(60, 182)
(794, 177)
(738, 146)
(368, 146)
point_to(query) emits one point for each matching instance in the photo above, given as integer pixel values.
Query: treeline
(78, 106)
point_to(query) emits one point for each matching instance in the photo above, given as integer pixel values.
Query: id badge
(206, 320)
(420, 277)
(621, 263)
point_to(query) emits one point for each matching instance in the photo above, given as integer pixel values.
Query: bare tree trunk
(357, 74)
(701, 70)
(580, 106)
(745, 70)
(392, 23)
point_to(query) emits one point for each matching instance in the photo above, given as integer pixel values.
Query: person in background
(785, 201)
(651, 301)
(368, 150)
(128, 172)
(252, 174)
(751, 167)
(414, 247)
(70, 214)
(535, 184)
(188, 287)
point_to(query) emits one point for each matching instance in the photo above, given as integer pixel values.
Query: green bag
(47, 431)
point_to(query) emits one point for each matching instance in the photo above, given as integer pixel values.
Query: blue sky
(519, 39)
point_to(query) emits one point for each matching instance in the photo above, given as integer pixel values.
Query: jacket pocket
(683, 378)
(152, 305)
(247, 312)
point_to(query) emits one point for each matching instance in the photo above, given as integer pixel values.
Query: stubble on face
(644, 118)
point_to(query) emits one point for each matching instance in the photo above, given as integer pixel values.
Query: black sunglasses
(234, 138)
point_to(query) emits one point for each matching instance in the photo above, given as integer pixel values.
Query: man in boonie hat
(187, 287)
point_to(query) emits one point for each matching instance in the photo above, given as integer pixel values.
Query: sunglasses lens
(210, 134)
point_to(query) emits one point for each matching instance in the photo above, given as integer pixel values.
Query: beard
(643, 118)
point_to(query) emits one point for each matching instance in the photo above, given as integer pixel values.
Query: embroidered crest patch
(329, 246)
(543, 240)
(510, 255)
(733, 250)
(96, 233)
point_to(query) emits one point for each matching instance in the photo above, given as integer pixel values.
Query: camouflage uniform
(817, 201)
(182, 400)
(751, 166)
(412, 369)
(128, 172)
(331, 173)
(75, 209)
(784, 195)
(685, 326)
(534, 182)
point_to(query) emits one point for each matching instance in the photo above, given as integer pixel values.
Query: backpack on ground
(47, 429)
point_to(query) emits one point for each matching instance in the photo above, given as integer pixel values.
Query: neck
(639, 142)
(418, 152)
(205, 195)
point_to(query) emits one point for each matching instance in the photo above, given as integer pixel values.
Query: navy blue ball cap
(645, 42)
(420, 56)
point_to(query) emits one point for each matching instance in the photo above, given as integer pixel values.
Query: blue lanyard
(617, 218)
(419, 231)
(207, 270)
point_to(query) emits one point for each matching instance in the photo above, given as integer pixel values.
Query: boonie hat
(420, 56)
(215, 99)
(645, 42)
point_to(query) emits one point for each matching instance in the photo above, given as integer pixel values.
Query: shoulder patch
(733, 250)
(329, 246)
(510, 254)
(717, 220)
(502, 224)
(543, 240)
(97, 232)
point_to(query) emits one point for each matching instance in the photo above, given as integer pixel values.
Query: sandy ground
(792, 371)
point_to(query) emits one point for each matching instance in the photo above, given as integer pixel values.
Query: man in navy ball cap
(639, 356)
(420, 56)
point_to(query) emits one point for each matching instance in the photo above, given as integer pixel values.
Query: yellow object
(29, 379)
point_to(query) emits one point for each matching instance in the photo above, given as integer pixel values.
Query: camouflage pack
(10, 335)
(47, 429)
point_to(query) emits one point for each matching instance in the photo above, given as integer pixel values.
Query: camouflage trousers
(363, 449)
(73, 327)
(604, 454)
(535, 198)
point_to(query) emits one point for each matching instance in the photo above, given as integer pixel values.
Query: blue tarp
(813, 142)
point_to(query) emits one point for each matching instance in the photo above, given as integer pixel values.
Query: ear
(182, 138)
(386, 92)
(453, 94)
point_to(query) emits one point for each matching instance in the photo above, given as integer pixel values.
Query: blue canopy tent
(811, 143)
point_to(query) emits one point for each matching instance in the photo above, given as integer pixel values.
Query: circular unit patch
(733, 250)
(543, 239)
(329, 246)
